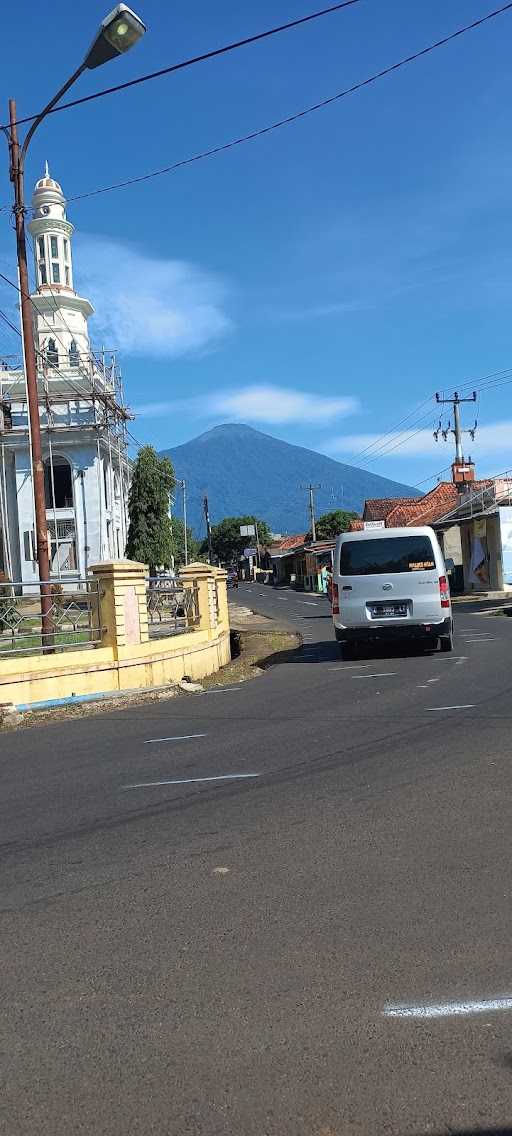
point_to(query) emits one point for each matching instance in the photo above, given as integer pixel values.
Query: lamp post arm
(49, 106)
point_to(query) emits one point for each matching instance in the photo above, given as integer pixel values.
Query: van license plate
(387, 611)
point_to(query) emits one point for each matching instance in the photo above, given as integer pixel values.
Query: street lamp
(119, 31)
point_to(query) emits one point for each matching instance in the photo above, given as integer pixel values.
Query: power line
(193, 60)
(222, 148)
(9, 324)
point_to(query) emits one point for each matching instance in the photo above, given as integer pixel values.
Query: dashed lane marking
(447, 1009)
(381, 674)
(463, 706)
(193, 780)
(181, 738)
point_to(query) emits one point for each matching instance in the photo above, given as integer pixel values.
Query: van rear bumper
(367, 634)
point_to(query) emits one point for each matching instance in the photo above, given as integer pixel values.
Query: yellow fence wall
(120, 664)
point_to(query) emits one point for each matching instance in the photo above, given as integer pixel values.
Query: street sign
(249, 552)
(374, 524)
(247, 530)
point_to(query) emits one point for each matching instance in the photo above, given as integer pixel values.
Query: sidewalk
(483, 597)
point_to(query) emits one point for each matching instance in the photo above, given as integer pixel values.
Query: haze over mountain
(245, 471)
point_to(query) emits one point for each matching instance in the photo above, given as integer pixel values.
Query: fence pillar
(123, 607)
(221, 579)
(212, 605)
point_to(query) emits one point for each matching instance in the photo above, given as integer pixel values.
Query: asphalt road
(282, 909)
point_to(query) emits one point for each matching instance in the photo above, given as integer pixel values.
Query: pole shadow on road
(470, 1132)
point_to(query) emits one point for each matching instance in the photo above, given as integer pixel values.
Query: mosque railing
(74, 613)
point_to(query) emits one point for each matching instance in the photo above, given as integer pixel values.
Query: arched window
(58, 489)
(74, 357)
(52, 355)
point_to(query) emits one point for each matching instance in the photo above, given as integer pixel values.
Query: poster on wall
(506, 544)
(479, 568)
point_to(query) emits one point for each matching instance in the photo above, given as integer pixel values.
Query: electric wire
(195, 59)
(298, 115)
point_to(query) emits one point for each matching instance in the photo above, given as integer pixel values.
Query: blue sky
(318, 283)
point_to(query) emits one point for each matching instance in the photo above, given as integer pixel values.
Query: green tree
(228, 545)
(331, 524)
(178, 543)
(149, 532)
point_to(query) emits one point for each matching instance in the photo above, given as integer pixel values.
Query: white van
(390, 583)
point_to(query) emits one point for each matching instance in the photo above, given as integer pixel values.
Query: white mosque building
(83, 421)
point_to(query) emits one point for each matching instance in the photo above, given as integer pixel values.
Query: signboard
(249, 552)
(374, 524)
(247, 530)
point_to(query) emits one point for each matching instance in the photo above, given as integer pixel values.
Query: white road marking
(381, 674)
(491, 639)
(463, 706)
(453, 659)
(353, 667)
(422, 686)
(182, 738)
(434, 679)
(309, 603)
(192, 780)
(447, 1009)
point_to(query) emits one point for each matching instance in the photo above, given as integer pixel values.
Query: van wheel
(447, 642)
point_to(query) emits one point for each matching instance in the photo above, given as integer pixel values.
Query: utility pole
(258, 562)
(208, 529)
(183, 486)
(43, 559)
(117, 33)
(311, 489)
(456, 430)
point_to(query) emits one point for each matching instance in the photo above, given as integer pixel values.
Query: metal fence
(74, 615)
(173, 606)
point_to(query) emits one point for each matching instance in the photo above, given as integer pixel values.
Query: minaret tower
(60, 315)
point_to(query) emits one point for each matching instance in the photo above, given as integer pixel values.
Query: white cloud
(261, 403)
(496, 438)
(265, 403)
(149, 306)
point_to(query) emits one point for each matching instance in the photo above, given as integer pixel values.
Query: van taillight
(335, 599)
(444, 591)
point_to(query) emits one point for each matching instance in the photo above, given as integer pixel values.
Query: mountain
(245, 471)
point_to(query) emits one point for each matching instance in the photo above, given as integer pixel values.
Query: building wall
(97, 520)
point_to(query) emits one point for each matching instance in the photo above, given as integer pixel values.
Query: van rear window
(391, 554)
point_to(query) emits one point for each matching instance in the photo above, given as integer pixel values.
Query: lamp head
(117, 33)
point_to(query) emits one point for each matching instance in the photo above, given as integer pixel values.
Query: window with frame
(54, 253)
(74, 357)
(52, 355)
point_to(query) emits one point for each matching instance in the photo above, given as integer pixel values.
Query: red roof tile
(287, 543)
(377, 508)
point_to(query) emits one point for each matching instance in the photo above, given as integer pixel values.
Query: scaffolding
(83, 394)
